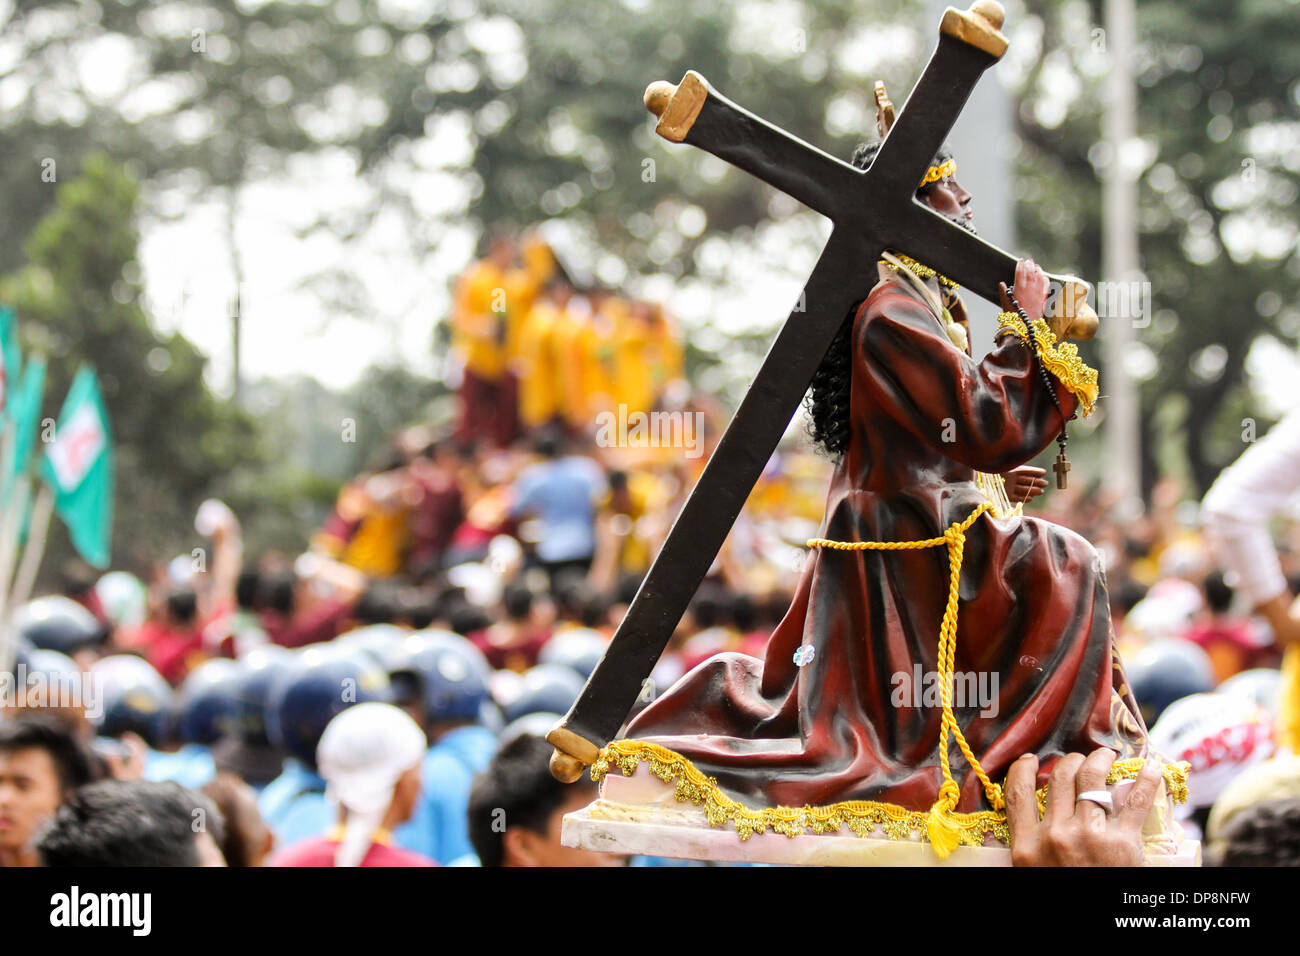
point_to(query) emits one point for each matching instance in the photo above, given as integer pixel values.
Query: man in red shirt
(173, 642)
(311, 602)
(370, 759)
(1232, 641)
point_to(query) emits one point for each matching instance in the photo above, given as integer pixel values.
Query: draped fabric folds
(1036, 670)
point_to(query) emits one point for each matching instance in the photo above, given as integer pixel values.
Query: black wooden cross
(872, 210)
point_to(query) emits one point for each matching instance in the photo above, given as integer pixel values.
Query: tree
(78, 300)
(1217, 102)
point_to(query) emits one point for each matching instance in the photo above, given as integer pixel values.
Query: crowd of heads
(224, 678)
(502, 642)
(490, 634)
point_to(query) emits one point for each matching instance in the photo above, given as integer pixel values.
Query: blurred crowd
(1216, 686)
(535, 344)
(461, 591)
(227, 681)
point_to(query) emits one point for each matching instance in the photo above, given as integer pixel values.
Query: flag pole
(13, 497)
(35, 549)
(10, 529)
(8, 438)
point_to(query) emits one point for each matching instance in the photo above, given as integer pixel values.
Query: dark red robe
(1033, 604)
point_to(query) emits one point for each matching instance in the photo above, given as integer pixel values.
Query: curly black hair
(1267, 834)
(827, 399)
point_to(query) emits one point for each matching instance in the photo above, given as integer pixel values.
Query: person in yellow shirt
(493, 298)
(478, 338)
(627, 525)
(368, 527)
(647, 357)
(539, 362)
(597, 348)
(525, 285)
(571, 343)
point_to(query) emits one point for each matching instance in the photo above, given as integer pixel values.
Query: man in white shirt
(1236, 512)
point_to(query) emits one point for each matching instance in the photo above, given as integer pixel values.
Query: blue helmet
(135, 697)
(57, 623)
(546, 688)
(258, 671)
(49, 662)
(489, 715)
(445, 672)
(538, 724)
(57, 670)
(449, 640)
(206, 702)
(380, 641)
(1165, 671)
(22, 652)
(580, 648)
(321, 682)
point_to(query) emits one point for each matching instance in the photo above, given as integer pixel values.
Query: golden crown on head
(885, 120)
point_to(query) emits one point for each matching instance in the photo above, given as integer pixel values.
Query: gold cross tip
(676, 105)
(980, 26)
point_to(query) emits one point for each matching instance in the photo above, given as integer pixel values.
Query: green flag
(25, 410)
(12, 358)
(78, 466)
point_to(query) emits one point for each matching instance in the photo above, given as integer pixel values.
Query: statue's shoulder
(891, 297)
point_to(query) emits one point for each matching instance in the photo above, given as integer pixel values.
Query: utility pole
(1120, 261)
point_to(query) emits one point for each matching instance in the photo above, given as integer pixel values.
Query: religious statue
(937, 633)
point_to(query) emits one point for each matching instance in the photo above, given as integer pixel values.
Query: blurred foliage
(1219, 116)
(323, 438)
(78, 299)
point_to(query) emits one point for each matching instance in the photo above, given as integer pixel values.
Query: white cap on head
(361, 756)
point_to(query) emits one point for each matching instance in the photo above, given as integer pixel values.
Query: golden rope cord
(944, 832)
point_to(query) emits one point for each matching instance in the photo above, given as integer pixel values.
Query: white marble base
(639, 815)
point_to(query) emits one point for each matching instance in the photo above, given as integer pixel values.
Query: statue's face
(949, 199)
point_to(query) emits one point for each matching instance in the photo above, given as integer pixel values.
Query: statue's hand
(1031, 289)
(1067, 313)
(1024, 483)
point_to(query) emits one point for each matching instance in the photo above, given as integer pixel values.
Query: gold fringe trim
(863, 817)
(919, 269)
(1061, 359)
